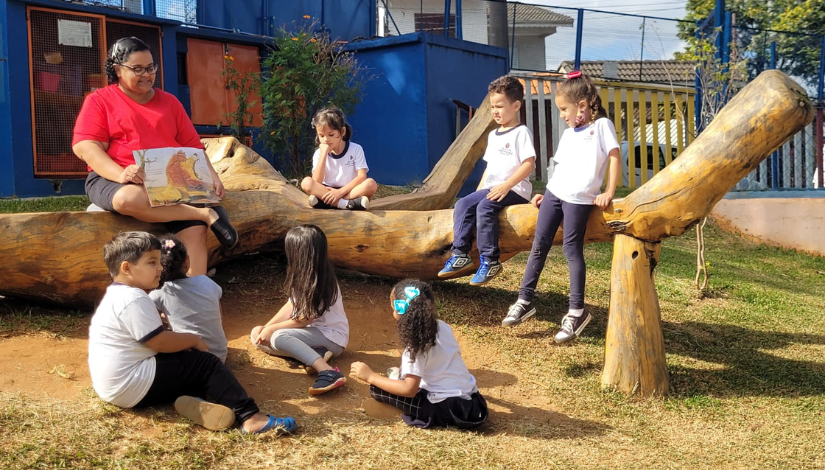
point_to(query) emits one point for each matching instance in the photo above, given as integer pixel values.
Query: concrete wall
(788, 219)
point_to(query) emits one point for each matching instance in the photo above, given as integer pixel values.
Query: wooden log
(634, 360)
(763, 115)
(57, 256)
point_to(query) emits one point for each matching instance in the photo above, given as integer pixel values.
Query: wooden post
(634, 356)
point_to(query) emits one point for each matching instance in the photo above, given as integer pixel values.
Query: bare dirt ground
(51, 365)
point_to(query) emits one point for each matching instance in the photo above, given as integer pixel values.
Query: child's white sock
(575, 312)
(523, 302)
(342, 203)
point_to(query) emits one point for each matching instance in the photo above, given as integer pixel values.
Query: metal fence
(621, 49)
(185, 11)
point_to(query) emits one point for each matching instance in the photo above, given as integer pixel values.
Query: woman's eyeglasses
(139, 71)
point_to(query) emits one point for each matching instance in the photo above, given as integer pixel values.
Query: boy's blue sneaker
(457, 264)
(487, 271)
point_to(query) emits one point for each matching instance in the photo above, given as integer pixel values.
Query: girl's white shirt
(581, 162)
(333, 324)
(442, 371)
(339, 170)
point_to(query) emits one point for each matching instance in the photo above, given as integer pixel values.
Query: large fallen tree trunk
(58, 256)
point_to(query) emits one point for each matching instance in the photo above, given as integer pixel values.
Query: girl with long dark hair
(312, 326)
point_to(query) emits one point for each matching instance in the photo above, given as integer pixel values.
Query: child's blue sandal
(280, 425)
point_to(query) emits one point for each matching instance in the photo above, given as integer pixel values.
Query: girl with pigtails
(586, 149)
(434, 387)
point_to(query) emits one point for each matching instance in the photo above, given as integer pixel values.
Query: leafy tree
(305, 70)
(758, 23)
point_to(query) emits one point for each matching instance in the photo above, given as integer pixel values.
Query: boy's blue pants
(476, 217)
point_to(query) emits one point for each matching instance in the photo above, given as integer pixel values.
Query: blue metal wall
(462, 71)
(347, 18)
(405, 122)
(21, 164)
(407, 119)
(6, 174)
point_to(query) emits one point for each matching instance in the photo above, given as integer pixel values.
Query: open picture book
(176, 175)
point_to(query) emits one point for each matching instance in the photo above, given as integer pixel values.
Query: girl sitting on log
(191, 304)
(574, 188)
(312, 326)
(339, 169)
(434, 387)
(131, 114)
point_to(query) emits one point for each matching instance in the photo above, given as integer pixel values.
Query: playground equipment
(58, 256)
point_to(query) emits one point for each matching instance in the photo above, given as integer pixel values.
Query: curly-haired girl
(191, 304)
(312, 326)
(434, 386)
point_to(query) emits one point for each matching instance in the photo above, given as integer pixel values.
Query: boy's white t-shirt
(581, 161)
(341, 169)
(333, 324)
(505, 153)
(121, 365)
(442, 371)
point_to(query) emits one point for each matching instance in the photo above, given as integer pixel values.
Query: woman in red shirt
(130, 114)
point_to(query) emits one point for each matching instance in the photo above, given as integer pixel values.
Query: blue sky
(616, 37)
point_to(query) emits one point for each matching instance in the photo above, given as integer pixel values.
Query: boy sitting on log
(510, 158)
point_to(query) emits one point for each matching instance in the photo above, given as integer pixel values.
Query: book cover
(176, 175)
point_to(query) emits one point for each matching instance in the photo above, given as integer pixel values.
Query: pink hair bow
(573, 74)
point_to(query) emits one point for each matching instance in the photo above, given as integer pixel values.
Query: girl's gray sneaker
(571, 327)
(518, 313)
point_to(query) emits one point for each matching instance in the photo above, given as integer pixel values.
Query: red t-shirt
(108, 115)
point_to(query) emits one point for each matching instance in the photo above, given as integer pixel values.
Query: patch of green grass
(744, 358)
(44, 204)
(19, 317)
(386, 190)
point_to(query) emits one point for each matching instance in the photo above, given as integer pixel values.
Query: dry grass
(745, 359)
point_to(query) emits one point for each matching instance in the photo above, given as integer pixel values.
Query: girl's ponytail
(578, 87)
(172, 259)
(414, 303)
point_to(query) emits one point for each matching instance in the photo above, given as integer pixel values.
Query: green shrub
(304, 71)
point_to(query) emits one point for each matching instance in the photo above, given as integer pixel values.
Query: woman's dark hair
(120, 52)
(418, 326)
(310, 277)
(582, 88)
(172, 258)
(333, 118)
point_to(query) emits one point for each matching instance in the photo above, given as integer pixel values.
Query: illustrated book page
(176, 175)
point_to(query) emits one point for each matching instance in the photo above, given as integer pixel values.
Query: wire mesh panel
(66, 63)
(185, 11)
(116, 29)
(397, 17)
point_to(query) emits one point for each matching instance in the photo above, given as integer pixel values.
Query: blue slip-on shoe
(279, 425)
(487, 271)
(456, 265)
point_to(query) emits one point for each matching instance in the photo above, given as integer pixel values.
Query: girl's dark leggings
(551, 213)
